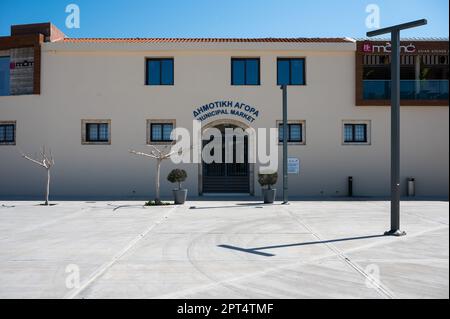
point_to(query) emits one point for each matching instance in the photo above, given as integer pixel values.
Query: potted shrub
(178, 176)
(268, 179)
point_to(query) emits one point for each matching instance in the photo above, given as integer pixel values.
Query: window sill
(357, 143)
(159, 85)
(161, 143)
(245, 85)
(95, 143)
(292, 143)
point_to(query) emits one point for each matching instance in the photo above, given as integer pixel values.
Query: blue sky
(226, 18)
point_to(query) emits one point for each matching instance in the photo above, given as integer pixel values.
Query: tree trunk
(158, 173)
(179, 185)
(47, 191)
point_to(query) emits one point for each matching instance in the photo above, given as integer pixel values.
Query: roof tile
(208, 40)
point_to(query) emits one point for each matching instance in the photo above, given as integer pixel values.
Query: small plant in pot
(178, 176)
(268, 180)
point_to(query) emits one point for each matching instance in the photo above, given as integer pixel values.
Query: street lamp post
(285, 146)
(395, 119)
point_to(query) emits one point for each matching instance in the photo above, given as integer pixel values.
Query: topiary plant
(268, 179)
(177, 176)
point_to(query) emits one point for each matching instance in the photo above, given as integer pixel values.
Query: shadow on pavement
(257, 250)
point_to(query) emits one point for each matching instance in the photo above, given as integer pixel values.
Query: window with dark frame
(97, 132)
(295, 133)
(291, 71)
(159, 71)
(7, 133)
(160, 132)
(245, 71)
(355, 133)
(5, 75)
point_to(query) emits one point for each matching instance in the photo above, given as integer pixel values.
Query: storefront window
(422, 77)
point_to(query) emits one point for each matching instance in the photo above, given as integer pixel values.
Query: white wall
(82, 84)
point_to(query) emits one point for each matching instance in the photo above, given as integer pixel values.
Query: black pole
(285, 146)
(395, 119)
(395, 133)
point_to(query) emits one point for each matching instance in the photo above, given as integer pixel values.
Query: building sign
(293, 165)
(369, 47)
(227, 108)
(413, 47)
(21, 64)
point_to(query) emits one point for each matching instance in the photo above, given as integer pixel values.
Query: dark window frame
(290, 140)
(353, 126)
(245, 71)
(290, 71)
(147, 79)
(6, 141)
(98, 140)
(162, 140)
(7, 57)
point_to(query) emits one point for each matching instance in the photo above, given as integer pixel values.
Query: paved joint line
(103, 268)
(379, 287)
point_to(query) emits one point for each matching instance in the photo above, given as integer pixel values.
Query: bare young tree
(159, 156)
(46, 162)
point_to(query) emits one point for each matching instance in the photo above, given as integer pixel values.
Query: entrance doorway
(232, 177)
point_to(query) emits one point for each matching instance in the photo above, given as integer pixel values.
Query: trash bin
(411, 187)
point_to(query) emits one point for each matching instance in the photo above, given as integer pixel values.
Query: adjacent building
(92, 99)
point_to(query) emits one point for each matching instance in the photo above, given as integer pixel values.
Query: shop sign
(369, 47)
(25, 64)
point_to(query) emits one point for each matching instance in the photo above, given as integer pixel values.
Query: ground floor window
(296, 132)
(356, 132)
(159, 131)
(7, 133)
(96, 131)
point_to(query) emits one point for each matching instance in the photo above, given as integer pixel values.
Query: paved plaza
(223, 249)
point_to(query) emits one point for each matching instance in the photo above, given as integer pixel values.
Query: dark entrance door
(227, 177)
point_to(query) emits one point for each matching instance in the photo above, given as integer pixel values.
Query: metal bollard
(411, 187)
(350, 186)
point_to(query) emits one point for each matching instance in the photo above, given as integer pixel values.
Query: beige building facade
(107, 87)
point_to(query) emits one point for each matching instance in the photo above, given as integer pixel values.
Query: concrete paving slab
(223, 249)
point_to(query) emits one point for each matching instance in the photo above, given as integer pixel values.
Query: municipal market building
(91, 100)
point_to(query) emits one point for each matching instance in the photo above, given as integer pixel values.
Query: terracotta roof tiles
(208, 40)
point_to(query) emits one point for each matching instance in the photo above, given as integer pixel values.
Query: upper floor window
(356, 132)
(160, 71)
(159, 131)
(295, 130)
(422, 77)
(4, 76)
(291, 71)
(245, 71)
(7, 133)
(96, 131)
